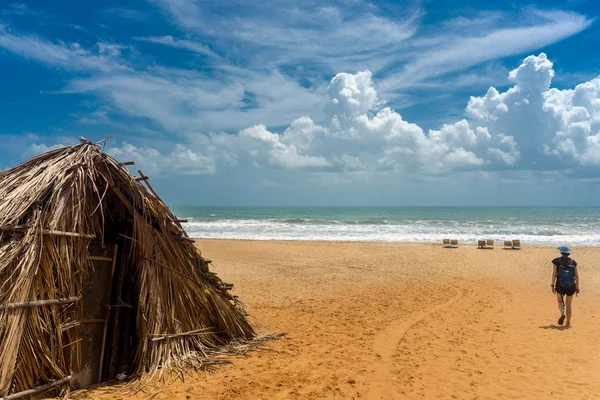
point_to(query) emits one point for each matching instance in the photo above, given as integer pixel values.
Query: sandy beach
(398, 320)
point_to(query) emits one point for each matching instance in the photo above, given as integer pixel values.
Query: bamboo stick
(47, 231)
(149, 185)
(12, 227)
(203, 331)
(37, 389)
(147, 182)
(188, 239)
(169, 268)
(110, 284)
(100, 258)
(72, 234)
(38, 303)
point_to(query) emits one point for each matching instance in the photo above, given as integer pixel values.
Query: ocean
(536, 225)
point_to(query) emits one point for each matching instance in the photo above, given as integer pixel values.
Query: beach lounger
(481, 244)
(446, 243)
(489, 244)
(516, 244)
(454, 243)
(508, 245)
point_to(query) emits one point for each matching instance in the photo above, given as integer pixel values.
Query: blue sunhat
(564, 249)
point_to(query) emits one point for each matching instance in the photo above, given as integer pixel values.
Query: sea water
(535, 225)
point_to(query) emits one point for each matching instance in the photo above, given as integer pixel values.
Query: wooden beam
(147, 182)
(189, 239)
(37, 389)
(182, 220)
(202, 331)
(169, 268)
(100, 258)
(13, 227)
(110, 284)
(71, 234)
(47, 231)
(122, 164)
(38, 303)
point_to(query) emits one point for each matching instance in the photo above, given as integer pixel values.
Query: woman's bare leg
(561, 307)
(569, 310)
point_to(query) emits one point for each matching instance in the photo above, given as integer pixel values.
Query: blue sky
(315, 103)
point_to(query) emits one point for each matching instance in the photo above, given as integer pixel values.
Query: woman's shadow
(556, 327)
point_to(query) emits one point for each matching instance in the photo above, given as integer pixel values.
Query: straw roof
(50, 209)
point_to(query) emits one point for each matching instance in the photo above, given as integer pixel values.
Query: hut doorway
(106, 331)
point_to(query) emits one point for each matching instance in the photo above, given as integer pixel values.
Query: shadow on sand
(557, 327)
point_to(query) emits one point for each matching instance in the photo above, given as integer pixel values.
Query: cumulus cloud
(356, 136)
(38, 148)
(528, 126)
(180, 160)
(549, 124)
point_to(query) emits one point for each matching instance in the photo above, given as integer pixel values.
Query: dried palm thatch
(51, 208)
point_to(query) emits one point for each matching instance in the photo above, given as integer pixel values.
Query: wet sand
(396, 321)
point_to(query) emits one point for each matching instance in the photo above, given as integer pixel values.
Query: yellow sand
(387, 321)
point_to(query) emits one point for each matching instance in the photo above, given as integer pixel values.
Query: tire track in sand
(385, 345)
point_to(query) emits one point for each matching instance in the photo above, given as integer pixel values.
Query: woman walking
(565, 283)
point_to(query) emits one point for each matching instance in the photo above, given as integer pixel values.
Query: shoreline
(497, 244)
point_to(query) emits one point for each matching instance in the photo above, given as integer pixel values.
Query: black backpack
(566, 275)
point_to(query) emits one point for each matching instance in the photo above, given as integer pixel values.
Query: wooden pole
(112, 274)
(146, 180)
(169, 268)
(38, 303)
(47, 231)
(203, 331)
(148, 184)
(99, 258)
(37, 389)
(71, 234)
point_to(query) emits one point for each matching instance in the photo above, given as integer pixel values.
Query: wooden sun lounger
(481, 244)
(516, 244)
(454, 243)
(489, 244)
(508, 245)
(446, 243)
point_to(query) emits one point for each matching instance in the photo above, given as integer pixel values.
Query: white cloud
(178, 43)
(38, 148)
(180, 160)
(353, 140)
(560, 124)
(70, 56)
(339, 37)
(455, 52)
(528, 124)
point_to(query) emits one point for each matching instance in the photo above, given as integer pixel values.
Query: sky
(294, 103)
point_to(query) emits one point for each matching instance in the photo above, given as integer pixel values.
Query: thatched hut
(97, 278)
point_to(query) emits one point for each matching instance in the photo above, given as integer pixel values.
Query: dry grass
(183, 316)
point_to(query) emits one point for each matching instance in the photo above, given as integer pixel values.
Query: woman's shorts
(570, 291)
